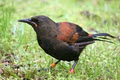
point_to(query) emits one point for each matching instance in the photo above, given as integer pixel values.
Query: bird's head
(37, 22)
(42, 25)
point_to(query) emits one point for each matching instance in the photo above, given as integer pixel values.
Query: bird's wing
(71, 33)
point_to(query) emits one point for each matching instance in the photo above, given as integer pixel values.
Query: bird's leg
(72, 69)
(54, 64)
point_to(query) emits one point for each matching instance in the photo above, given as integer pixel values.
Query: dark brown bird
(64, 40)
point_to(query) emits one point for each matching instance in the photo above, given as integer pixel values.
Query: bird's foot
(71, 71)
(44, 69)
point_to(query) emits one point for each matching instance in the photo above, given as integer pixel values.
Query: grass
(21, 54)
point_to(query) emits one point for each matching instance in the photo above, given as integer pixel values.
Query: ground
(21, 57)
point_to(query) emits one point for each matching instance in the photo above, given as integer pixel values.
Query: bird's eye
(35, 20)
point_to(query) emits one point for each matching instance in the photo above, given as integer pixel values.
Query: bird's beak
(28, 21)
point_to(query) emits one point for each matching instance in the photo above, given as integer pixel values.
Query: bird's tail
(102, 37)
(94, 37)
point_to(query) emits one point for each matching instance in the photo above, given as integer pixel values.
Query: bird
(64, 41)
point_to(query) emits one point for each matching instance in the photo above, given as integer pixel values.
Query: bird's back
(71, 33)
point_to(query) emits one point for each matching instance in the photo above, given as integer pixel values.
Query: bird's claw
(45, 69)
